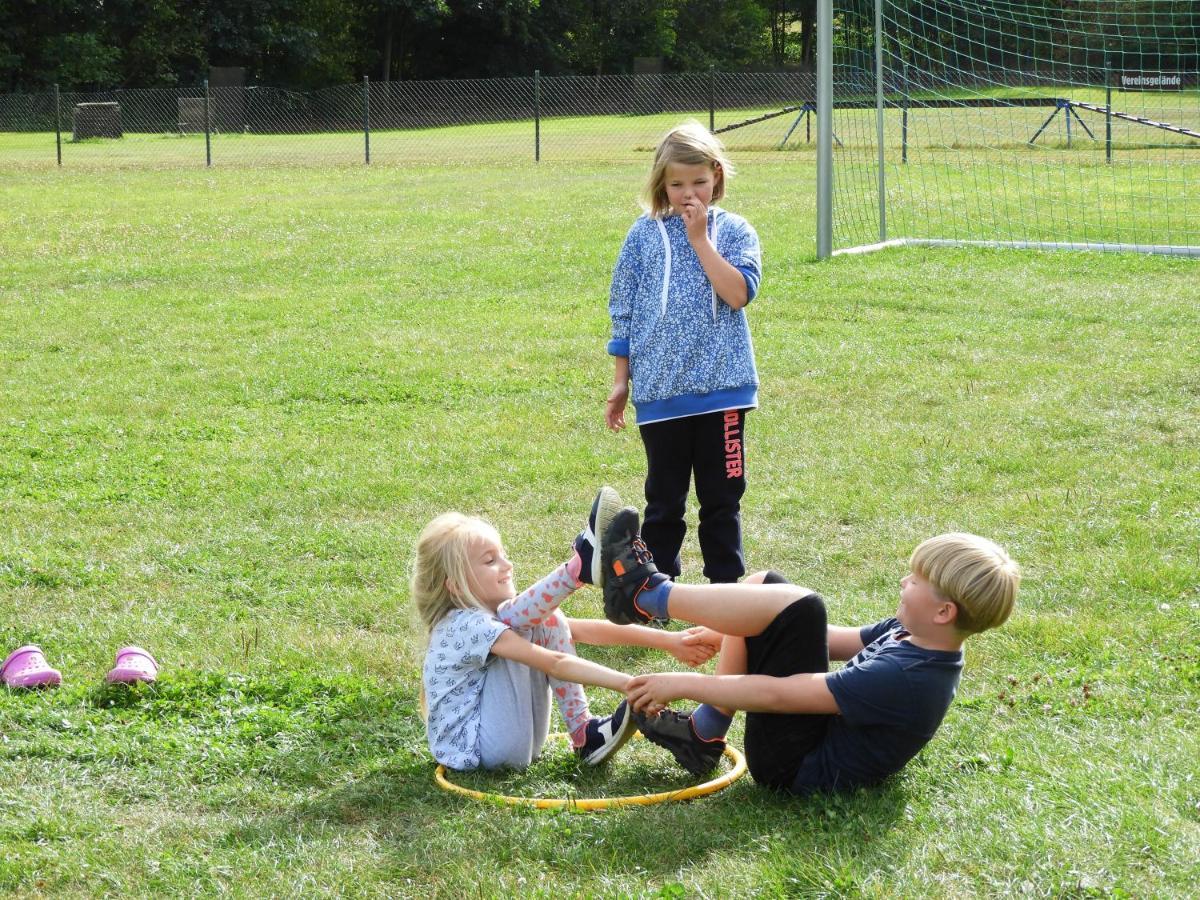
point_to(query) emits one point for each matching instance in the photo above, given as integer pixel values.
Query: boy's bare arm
(843, 642)
(807, 693)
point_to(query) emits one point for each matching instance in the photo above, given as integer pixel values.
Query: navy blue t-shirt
(893, 696)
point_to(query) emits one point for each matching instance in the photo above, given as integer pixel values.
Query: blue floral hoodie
(689, 353)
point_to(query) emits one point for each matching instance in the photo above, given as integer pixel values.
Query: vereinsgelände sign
(1150, 81)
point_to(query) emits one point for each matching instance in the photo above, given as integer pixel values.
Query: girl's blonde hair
(977, 575)
(689, 144)
(442, 559)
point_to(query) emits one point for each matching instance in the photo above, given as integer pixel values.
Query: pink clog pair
(26, 667)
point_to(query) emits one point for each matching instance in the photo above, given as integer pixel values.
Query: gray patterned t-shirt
(455, 667)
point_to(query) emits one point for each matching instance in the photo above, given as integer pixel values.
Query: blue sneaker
(604, 509)
(606, 736)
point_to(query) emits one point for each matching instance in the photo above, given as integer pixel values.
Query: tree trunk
(387, 46)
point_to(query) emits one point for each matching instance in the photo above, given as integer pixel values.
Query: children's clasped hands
(695, 646)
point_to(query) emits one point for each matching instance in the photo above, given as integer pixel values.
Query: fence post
(57, 125)
(207, 129)
(537, 115)
(712, 98)
(367, 117)
(1107, 112)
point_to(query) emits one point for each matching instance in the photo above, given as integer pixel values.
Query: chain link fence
(490, 121)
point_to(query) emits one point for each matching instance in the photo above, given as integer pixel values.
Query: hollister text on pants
(733, 445)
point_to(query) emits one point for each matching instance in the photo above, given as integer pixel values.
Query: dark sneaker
(606, 736)
(674, 731)
(604, 508)
(628, 570)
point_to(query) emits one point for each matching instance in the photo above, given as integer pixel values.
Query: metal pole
(57, 125)
(712, 98)
(537, 115)
(904, 117)
(207, 129)
(367, 118)
(1108, 116)
(879, 119)
(824, 129)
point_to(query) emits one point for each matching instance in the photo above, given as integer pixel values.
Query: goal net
(1069, 124)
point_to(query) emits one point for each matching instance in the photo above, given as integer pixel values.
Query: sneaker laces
(641, 553)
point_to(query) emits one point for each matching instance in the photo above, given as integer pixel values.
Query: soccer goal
(1055, 124)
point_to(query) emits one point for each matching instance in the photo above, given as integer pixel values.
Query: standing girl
(685, 273)
(495, 658)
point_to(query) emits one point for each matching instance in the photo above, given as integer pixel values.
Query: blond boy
(808, 728)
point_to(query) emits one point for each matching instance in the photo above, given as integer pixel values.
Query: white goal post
(1050, 124)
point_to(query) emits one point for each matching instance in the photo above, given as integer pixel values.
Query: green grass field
(229, 400)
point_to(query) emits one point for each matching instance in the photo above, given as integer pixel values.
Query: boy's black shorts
(794, 643)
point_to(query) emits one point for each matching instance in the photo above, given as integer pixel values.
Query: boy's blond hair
(976, 574)
(442, 559)
(689, 144)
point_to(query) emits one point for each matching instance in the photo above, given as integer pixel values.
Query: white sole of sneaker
(616, 741)
(608, 504)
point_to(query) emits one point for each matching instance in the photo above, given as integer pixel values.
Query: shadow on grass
(302, 761)
(790, 843)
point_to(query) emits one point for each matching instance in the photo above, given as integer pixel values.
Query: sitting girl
(495, 657)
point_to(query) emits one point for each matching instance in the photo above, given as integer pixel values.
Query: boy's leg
(796, 642)
(720, 483)
(668, 477)
(635, 591)
(742, 610)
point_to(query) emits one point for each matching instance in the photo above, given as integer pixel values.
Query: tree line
(305, 44)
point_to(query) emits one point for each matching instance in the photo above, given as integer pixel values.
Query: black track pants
(711, 447)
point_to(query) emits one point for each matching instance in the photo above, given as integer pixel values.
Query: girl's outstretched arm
(562, 666)
(691, 647)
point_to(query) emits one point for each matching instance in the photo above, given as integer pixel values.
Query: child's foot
(674, 731)
(629, 571)
(606, 736)
(604, 508)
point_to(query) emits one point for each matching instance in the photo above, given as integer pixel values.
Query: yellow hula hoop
(599, 803)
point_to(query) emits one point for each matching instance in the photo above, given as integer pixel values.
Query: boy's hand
(614, 408)
(695, 219)
(695, 646)
(650, 694)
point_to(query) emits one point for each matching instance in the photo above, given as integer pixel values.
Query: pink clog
(26, 667)
(133, 664)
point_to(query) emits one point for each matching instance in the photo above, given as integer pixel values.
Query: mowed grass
(230, 399)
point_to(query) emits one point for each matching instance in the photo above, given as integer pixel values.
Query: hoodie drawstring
(662, 231)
